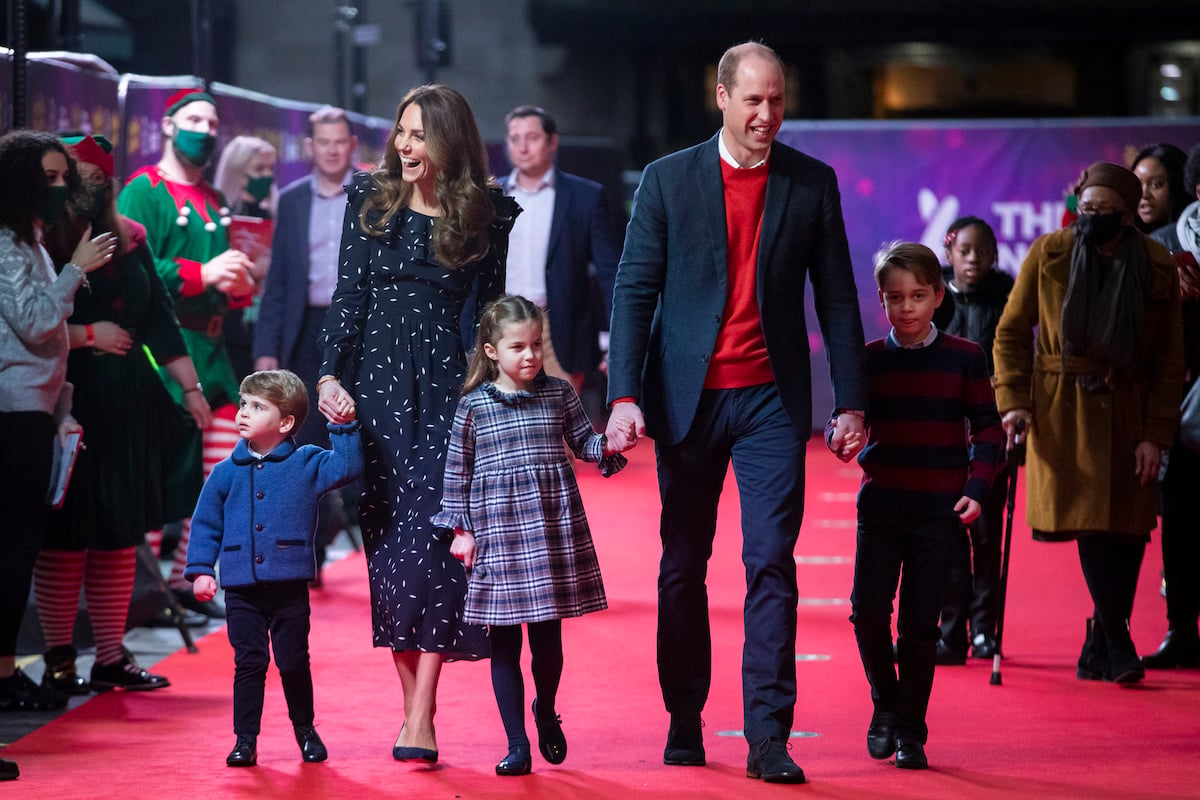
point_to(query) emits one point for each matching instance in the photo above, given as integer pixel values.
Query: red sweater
(740, 355)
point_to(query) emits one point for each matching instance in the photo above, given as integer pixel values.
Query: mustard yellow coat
(1080, 462)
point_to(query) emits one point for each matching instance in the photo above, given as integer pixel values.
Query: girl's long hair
(456, 150)
(500, 312)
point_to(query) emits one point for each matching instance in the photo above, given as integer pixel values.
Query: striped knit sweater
(920, 459)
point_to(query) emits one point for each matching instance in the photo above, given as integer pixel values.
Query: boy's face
(909, 304)
(261, 423)
(971, 255)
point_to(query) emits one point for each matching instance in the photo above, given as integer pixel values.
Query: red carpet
(1041, 734)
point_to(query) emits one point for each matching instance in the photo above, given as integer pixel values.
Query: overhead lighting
(1171, 70)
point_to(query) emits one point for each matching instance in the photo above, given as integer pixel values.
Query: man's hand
(625, 426)
(230, 272)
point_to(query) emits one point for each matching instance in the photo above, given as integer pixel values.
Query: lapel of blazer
(710, 191)
(779, 187)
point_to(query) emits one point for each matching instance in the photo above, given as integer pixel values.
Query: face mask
(195, 146)
(56, 203)
(259, 187)
(1098, 228)
(98, 203)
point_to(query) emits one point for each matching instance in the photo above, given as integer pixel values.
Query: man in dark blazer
(709, 342)
(564, 230)
(301, 279)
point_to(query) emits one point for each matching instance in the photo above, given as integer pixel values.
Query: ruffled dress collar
(517, 397)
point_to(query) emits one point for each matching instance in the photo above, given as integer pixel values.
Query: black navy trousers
(749, 428)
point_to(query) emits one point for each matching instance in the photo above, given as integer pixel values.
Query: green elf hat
(94, 149)
(185, 96)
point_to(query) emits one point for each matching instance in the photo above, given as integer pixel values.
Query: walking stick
(1016, 457)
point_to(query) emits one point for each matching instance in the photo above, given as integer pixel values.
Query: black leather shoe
(60, 674)
(244, 753)
(9, 770)
(983, 646)
(312, 749)
(1093, 658)
(770, 762)
(20, 693)
(127, 675)
(551, 741)
(209, 608)
(517, 762)
(881, 735)
(948, 657)
(685, 743)
(910, 753)
(1177, 650)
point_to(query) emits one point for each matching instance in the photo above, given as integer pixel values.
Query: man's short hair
(283, 388)
(520, 112)
(728, 65)
(327, 115)
(912, 257)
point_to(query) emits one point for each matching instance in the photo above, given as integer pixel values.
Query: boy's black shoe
(910, 753)
(9, 770)
(770, 762)
(551, 741)
(881, 735)
(244, 753)
(312, 749)
(685, 742)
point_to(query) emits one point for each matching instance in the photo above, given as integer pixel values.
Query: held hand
(197, 406)
(68, 426)
(336, 403)
(463, 547)
(625, 426)
(205, 588)
(1017, 424)
(265, 362)
(94, 252)
(111, 338)
(1147, 460)
(230, 272)
(849, 436)
(967, 509)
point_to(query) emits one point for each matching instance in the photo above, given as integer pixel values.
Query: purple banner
(64, 97)
(910, 180)
(6, 89)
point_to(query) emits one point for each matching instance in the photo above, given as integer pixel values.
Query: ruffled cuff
(452, 520)
(611, 465)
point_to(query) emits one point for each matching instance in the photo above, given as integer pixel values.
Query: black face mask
(1098, 228)
(97, 205)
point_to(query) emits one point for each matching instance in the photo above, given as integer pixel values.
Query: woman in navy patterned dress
(423, 233)
(511, 498)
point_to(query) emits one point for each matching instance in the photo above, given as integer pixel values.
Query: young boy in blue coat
(257, 517)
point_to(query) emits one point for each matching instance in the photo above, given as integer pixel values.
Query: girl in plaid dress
(510, 496)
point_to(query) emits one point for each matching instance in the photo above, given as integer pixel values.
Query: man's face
(530, 150)
(332, 147)
(752, 108)
(199, 116)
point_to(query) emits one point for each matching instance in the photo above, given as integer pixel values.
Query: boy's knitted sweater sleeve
(986, 434)
(208, 522)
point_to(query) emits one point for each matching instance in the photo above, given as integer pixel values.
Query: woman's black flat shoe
(517, 762)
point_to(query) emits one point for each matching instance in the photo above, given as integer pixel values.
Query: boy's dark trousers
(922, 545)
(278, 612)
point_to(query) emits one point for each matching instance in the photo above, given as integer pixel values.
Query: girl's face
(518, 354)
(971, 255)
(415, 164)
(1155, 205)
(54, 164)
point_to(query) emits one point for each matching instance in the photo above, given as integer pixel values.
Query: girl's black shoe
(517, 762)
(551, 741)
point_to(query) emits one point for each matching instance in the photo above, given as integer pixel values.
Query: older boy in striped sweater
(925, 474)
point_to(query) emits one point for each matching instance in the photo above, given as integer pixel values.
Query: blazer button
(258, 559)
(258, 527)
(716, 317)
(260, 495)
(259, 465)
(704, 358)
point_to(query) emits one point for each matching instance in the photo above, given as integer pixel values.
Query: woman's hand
(1017, 424)
(197, 405)
(94, 252)
(335, 402)
(1147, 459)
(67, 426)
(463, 547)
(111, 338)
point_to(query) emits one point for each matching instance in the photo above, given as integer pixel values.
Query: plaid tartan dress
(508, 481)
